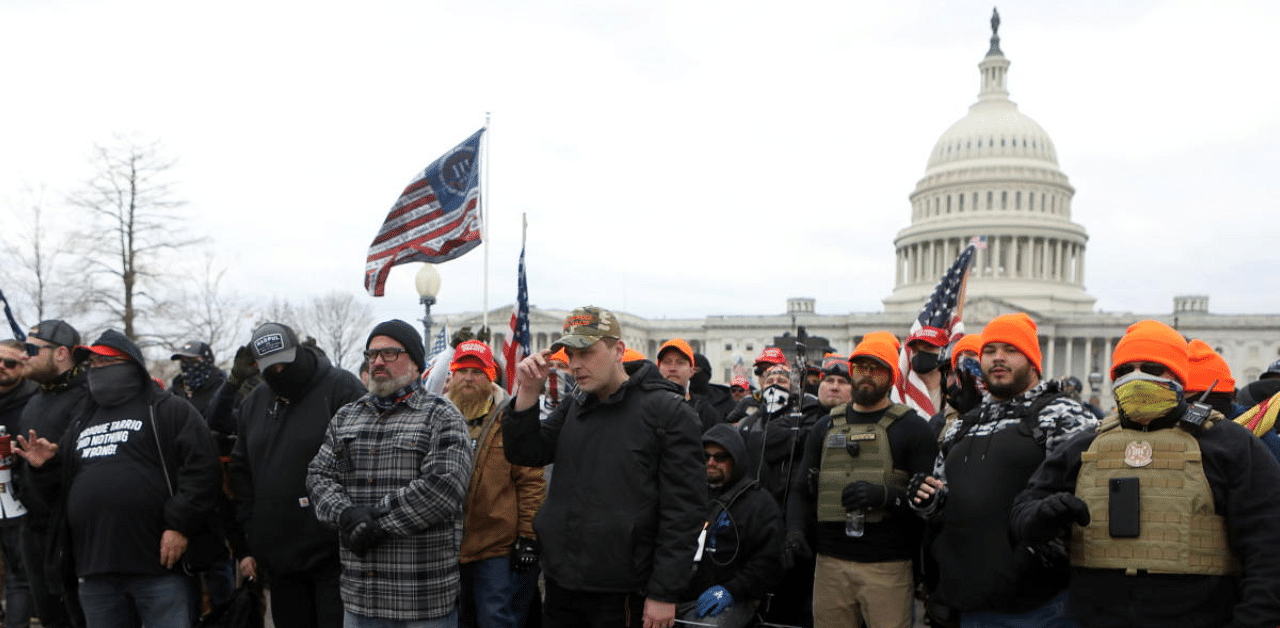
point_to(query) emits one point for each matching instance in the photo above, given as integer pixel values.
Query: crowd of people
(617, 489)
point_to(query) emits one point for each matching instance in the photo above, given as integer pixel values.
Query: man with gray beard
(391, 475)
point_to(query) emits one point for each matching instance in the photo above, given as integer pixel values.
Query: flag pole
(484, 221)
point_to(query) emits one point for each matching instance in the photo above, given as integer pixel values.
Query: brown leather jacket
(502, 498)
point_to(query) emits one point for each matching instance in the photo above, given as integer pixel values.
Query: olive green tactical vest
(873, 464)
(1179, 533)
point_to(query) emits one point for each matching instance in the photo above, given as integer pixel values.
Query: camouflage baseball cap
(586, 325)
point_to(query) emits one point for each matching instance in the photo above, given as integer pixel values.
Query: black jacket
(1245, 480)
(743, 551)
(11, 405)
(48, 413)
(626, 501)
(276, 442)
(779, 442)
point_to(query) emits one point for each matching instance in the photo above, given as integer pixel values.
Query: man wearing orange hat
(1172, 509)
(676, 364)
(963, 390)
(499, 554)
(862, 455)
(984, 461)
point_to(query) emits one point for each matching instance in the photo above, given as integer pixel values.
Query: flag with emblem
(517, 347)
(940, 323)
(436, 219)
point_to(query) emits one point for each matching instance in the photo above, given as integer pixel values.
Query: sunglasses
(1150, 368)
(10, 364)
(34, 350)
(720, 456)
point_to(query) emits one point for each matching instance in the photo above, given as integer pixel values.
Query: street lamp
(427, 282)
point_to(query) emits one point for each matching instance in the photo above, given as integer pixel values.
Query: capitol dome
(994, 174)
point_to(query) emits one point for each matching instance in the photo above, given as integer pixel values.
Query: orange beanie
(1017, 330)
(882, 346)
(967, 342)
(631, 355)
(1152, 341)
(1206, 366)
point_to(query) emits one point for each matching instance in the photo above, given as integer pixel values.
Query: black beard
(868, 396)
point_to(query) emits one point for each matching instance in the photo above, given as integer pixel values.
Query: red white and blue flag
(517, 347)
(436, 219)
(940, 319)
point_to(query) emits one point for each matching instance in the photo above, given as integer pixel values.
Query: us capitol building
(994, 173)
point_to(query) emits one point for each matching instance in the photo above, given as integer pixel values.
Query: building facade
(993, 174)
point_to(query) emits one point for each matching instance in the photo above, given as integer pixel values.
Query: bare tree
(35, 250)
(206, 311)
(131, 200)
(339, 323)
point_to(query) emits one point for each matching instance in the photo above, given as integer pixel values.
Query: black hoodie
(133, 470)
(743, 551)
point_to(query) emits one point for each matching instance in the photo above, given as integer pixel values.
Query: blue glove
(713, 601)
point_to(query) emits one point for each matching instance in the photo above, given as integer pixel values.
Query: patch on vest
(1137, 453)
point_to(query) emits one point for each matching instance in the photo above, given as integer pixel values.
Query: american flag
(440, 343)
(517, 348)
(436, 218)
(941, 315)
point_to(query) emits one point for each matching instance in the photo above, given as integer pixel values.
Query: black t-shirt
(115, 504)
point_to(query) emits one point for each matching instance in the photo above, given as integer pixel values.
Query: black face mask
(291, 381)
(923, 362)
(113, 385)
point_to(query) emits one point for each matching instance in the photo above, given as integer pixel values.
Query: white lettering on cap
(268, 344)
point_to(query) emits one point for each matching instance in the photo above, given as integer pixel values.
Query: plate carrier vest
(1179, 531)
(873, 464)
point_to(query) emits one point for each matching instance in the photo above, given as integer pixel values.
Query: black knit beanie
(403, 333)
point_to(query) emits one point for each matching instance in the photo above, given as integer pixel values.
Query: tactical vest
(1179, 533)
(874, 462)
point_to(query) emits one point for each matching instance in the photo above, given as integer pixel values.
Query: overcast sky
(675, 159)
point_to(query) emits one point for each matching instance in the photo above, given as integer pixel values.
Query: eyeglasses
(10, 364)
(96, 360)
(720, 456)
(388, 355)
(1150, 368)
(34, 350)
(867, 367)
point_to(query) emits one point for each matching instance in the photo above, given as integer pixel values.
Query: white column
(1047, 370)
(1067, 367)
(995, 256)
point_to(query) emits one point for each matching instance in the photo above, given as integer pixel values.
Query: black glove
(359, 530)
(1050, 515)
(913, 488)
(811, 480)
(524, 554)
(795, 549)
(862, 495)
(244, 366)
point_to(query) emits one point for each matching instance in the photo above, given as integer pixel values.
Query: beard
(387, 386)
(471, 400)
(1019, 382)
(869, 395)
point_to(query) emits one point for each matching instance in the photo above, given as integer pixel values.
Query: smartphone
(1124, 508)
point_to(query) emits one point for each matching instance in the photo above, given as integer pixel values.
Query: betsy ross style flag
(940, 319)
(436, 218)
(517, 347)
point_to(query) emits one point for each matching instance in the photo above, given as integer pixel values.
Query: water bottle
(855, 523)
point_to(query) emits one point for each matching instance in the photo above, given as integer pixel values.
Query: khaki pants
(849, 595)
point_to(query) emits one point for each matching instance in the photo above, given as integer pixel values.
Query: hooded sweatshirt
(743, 551)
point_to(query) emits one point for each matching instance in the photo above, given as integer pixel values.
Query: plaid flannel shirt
(411, 464)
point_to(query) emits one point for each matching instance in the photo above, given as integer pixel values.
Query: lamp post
(427, 282)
